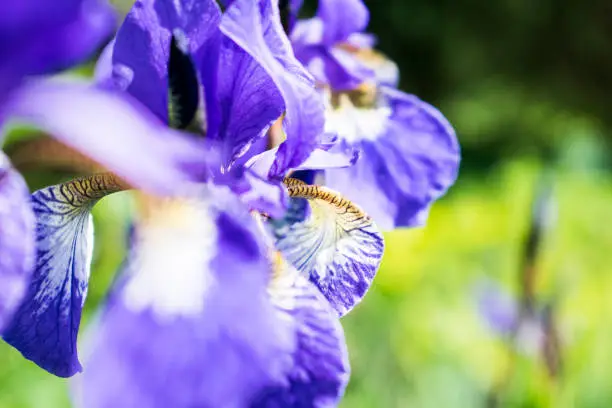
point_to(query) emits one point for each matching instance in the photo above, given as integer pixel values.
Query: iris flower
(223, 300)
(409, 155)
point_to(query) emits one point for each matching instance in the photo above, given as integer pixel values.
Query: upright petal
(114, 131)
(255, 26)
(45, 327)
(320, 361)
(409, 158)
(333, 242)
(341, 18)
(142, 47)
(242, 100)
(16, 240)
(190, 324)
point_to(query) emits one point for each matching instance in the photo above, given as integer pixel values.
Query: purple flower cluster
(217, 118)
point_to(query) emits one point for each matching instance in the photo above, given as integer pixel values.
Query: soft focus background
(527, 86)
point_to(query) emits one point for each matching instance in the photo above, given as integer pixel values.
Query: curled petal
(114, 131)
(190, 323)
(45, 327)
(331, 241)
(320, 361)
(255, 26)
(409, 158)
(16, 240)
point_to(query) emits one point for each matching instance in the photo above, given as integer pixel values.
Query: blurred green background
(527, 86)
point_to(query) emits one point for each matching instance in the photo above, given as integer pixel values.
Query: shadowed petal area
(255, 26)
(45, 327)
(409, 158)
(321, 367)
(190, 324)
(331, 241)
(16, 240)
(114, 131)
(142, 47)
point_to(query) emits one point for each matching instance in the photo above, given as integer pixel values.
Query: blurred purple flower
(499, 310)
(408, 152)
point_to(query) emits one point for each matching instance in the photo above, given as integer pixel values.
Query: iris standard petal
(45, 327)
(320, 361)
(331, 241)
(190, 324)
(341, 18)
(409, 158)
(245, 102)
(38, 36)
(255, 26)
(141, 52)
(113, 131)
(16, 240)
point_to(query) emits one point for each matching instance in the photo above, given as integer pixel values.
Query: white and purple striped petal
(321, 368)
(409, 157)
(191, 323)
(16, 240)
(44, 328)
(330, 240)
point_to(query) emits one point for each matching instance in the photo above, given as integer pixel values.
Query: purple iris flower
(409, 154)
(216, 305)
(248, 54)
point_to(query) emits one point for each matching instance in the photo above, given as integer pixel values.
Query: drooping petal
(16, 240)
(45, 327)
(341, 18)
(255, 26)
(320, 361)
(113, 131)
(331, 241)
(142, 46)
(409, 158)
(190, 324)
(38, 36)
